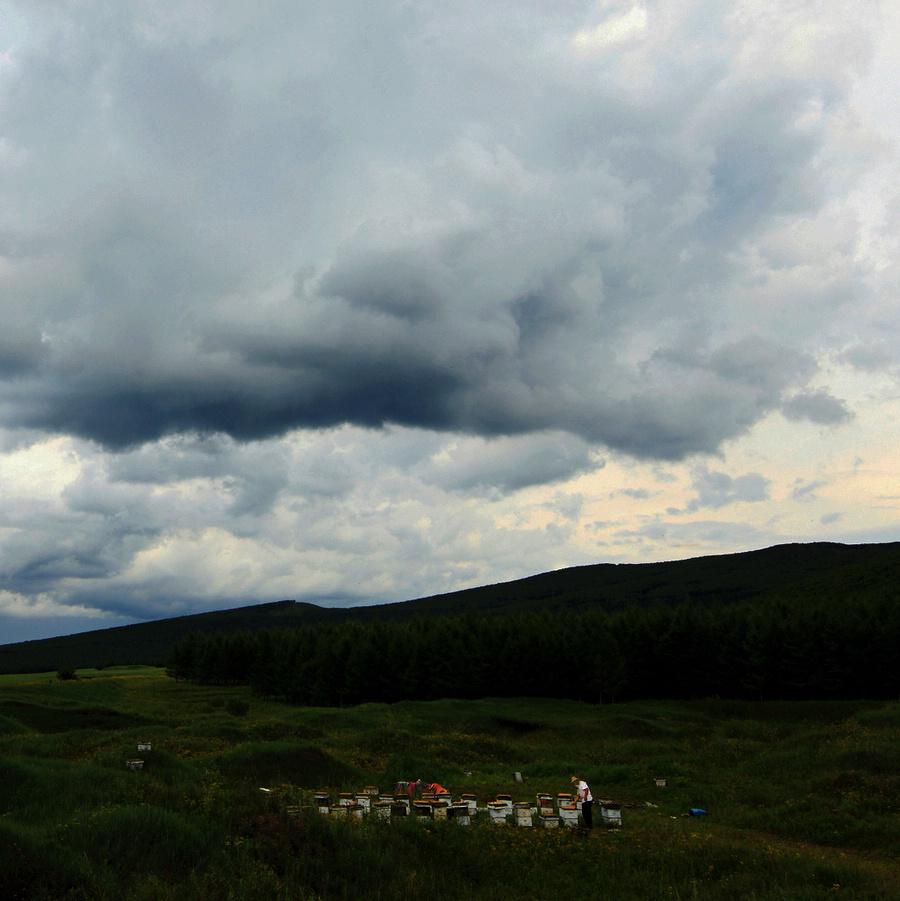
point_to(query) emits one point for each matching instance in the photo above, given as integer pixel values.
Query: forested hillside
(627, 599)
(833, 642)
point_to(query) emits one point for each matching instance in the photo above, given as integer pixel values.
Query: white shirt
(583, 793)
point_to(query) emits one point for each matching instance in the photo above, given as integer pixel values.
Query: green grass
(108, 672)
(802, 798)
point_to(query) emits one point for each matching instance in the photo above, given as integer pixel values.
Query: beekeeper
(583, 794)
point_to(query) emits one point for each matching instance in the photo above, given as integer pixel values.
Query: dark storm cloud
(673, 406)
(20, 351)
(313, 387)
(385, 338)
(563, 271)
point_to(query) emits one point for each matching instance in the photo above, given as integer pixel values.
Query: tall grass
(802, 799)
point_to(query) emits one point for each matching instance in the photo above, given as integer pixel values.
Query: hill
(792, 572)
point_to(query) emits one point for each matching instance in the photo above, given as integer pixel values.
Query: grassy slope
(802, 798)
(796, 570)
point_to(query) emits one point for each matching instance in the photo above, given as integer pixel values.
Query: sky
(359, 302)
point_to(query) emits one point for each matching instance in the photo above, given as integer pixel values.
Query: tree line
(783, 648)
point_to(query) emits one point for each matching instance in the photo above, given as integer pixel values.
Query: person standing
(583, 794)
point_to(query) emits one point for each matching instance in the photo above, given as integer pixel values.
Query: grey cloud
(158, 597)
(718, 489)
(551, 368)
(385, 338)
(872, 356)
(567, 506)
(176, 459)
(20, 350)
(43, 553)
(477, 275)
(819, 407)
(509, 464)
(668, 540)
(806, 490)
(761, 169)
(431, 252)
(111, 511)
(253, 475)
(323, 475)
(172, 100)
(258, 491)
(394, 283)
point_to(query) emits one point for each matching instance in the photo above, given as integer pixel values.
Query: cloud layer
(494, 243)
(520, 240)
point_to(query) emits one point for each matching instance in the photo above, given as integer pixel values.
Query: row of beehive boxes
(464, 809)
(566, 812)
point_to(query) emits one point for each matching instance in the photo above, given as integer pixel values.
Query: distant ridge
(791, 570)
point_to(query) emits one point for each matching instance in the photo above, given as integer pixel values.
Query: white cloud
(616, 28)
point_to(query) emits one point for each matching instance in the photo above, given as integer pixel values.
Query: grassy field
(802, 798)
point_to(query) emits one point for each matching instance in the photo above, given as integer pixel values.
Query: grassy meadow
(803, 799)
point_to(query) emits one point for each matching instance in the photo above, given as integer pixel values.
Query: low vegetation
(802, 797)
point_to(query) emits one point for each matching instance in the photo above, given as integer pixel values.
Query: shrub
(31, 865)
(237, 707)
(143, 839)
(305, 766)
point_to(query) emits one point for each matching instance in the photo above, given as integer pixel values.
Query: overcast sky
(364, 301)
